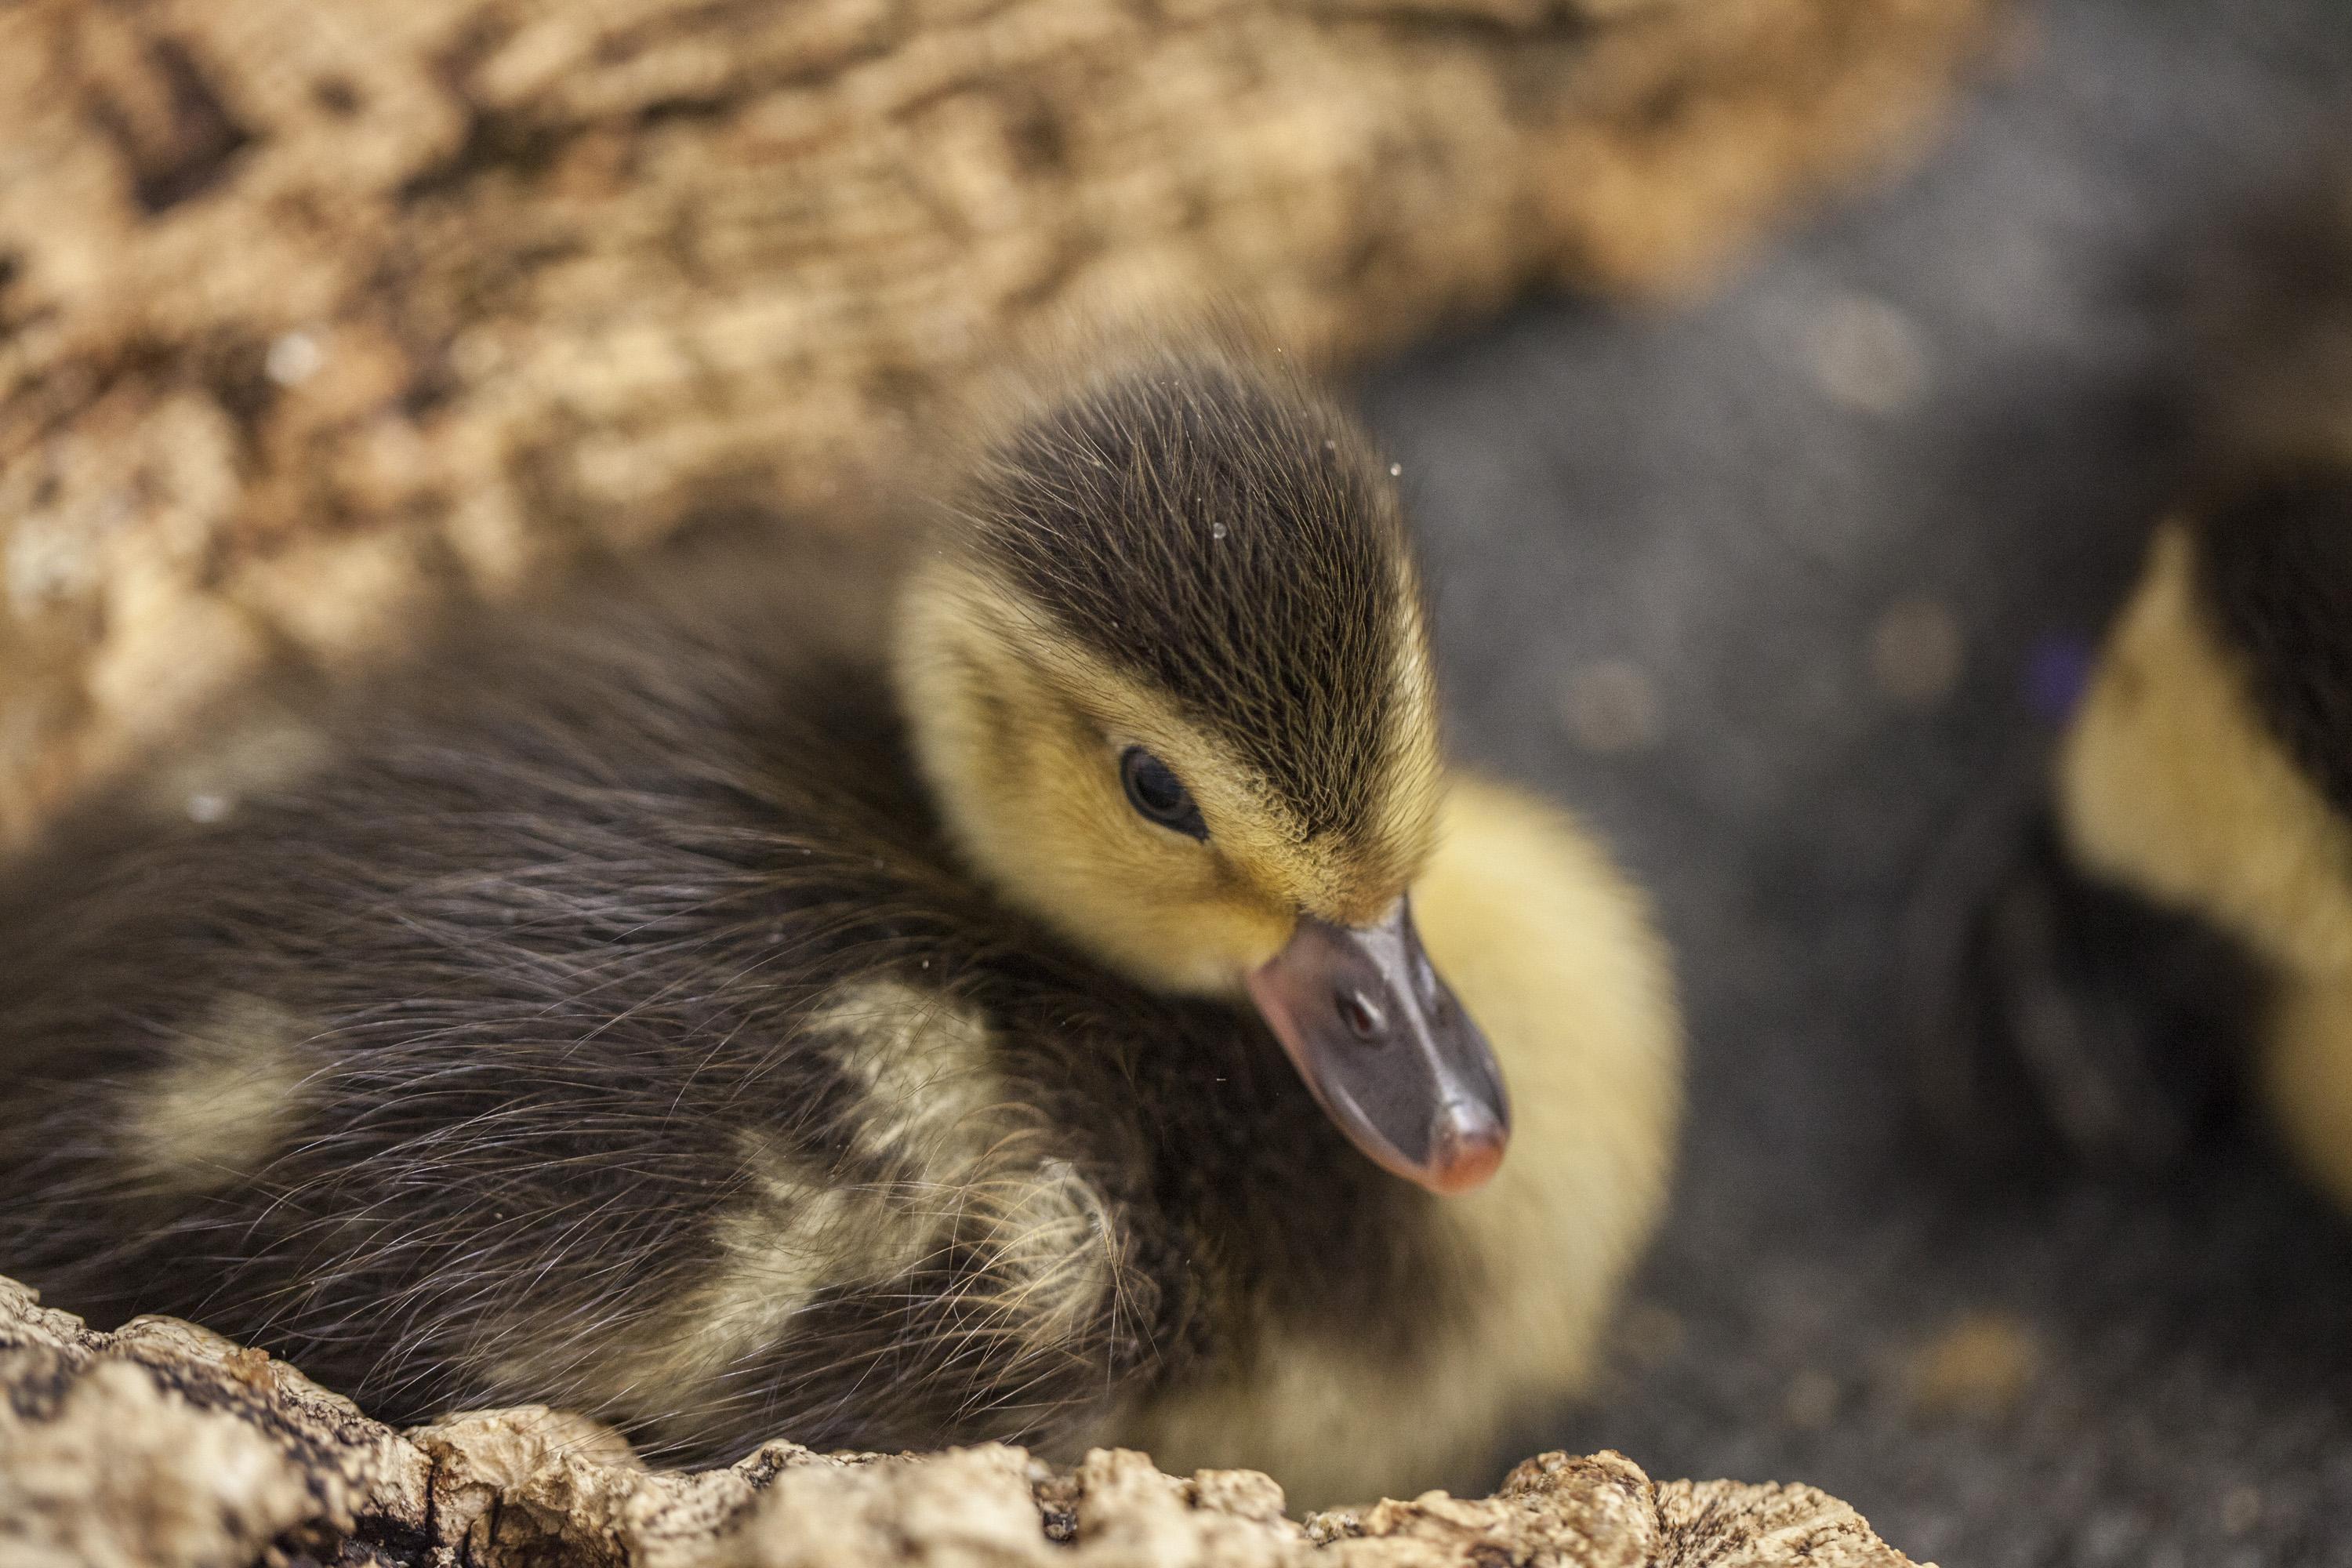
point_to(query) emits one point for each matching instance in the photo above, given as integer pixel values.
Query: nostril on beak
(1361, 1014)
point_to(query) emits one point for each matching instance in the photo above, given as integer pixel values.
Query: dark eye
(1153, 789)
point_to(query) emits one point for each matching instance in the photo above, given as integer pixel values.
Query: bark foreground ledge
(311, 313)
(163, 1446)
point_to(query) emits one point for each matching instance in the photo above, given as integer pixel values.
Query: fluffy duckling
(1075, 1006)
(2197, 900)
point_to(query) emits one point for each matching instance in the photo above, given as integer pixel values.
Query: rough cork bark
(309, 312)
(165, 1446)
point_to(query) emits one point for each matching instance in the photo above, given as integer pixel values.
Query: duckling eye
(1155, 791)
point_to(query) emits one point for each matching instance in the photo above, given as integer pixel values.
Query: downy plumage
(2189, 912)
(743, 1003)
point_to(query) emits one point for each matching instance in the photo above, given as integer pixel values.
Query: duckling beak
(1386, 1049)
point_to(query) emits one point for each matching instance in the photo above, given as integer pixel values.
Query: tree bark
(310, 313)
(164, 1447)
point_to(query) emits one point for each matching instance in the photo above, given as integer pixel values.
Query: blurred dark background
(1775, 590)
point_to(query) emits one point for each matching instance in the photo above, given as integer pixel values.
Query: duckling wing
(596, 1025)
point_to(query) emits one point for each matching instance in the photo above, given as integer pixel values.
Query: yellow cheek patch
(1019, 734)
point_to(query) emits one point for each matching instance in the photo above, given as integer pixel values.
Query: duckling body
(620, 1010)
(2208, 772)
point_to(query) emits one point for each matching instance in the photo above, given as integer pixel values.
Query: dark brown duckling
(2182, 926)
(1075, 1007)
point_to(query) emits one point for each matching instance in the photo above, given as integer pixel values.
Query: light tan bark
(164, 1447)
(309, 313)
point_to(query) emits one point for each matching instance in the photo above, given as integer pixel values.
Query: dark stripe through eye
(1158, 794)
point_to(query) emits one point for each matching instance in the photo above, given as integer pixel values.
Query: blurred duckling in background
(2190, 921)
(1078, 1005)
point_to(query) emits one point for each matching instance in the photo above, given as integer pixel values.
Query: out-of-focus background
(1806, 383)
(1777, 589)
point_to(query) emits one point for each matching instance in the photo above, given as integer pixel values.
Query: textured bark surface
(311, 312)
(164, 1444)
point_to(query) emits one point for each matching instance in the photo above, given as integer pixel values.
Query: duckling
(2204, 787)
(1065, 997)
(2210, 773)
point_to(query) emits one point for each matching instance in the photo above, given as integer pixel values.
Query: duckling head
(1168, 682)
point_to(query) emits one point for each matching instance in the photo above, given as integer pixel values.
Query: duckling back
(602, 1022)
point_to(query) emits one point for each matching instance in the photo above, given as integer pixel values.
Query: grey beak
(1386, 1049)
